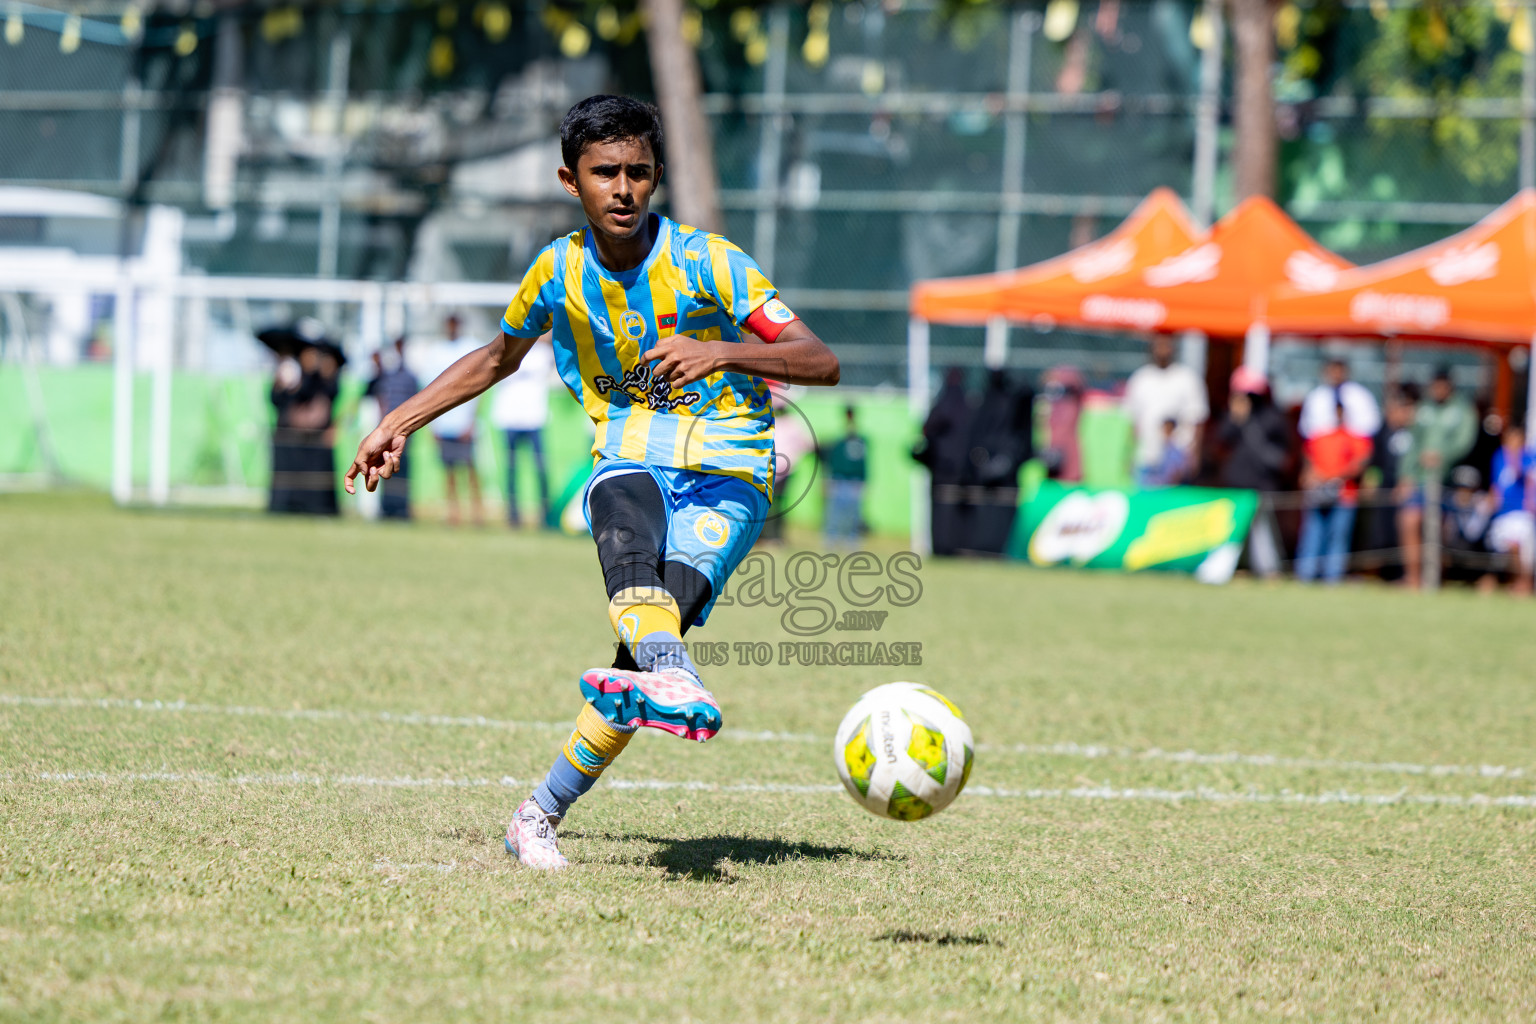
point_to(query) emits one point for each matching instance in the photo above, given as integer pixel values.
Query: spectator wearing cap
(1257, 442)
(1319, 412)
(1444, 427)
(1512, 504)
(1330, 482)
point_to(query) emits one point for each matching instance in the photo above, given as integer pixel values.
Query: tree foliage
(1438, 52)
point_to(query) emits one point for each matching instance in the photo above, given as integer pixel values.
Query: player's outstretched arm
(378, 456)
(797, 356)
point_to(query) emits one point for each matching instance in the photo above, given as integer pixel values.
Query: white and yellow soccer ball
(904, 751)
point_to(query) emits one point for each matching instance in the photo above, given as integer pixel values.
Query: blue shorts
(712, 520)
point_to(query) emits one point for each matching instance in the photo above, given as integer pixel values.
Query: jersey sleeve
(531, 311)
(741, 288)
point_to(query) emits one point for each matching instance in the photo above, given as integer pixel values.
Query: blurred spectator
(845, 462)
(943, 451)
(1444, 427)
(1001, 440)
(520, 409)
(1512, 504)
(392, 384)
(1063, 455)
(1256, 439)
(1173, 467)
(1486, 439)
(1254, 434)
(1464, 527)
(1160, 391)
(1319, 412)
(1391, 443)
(303, 456)
(1330, 484)
(455, 429)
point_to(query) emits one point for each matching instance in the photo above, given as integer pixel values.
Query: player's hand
(378, 458)
(680, 361)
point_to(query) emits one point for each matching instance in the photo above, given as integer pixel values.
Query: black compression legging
(629, 524)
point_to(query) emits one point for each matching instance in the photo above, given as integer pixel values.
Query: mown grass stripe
(1200, 794)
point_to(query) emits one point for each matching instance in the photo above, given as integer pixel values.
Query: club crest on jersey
(712, 529)
(777, 312)
(641, 386)
(633, 324)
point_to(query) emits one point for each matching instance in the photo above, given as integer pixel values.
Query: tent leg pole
(1530, 391)
(917, 407)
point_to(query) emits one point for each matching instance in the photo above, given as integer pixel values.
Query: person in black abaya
(1000, 442)
(946, 434)
(303, 456)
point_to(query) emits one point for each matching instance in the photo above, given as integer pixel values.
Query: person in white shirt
(519, 409)
(1160, 392)
(455, 429)
(1319, 412)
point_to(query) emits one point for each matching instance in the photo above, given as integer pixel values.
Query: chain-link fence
(860, 146)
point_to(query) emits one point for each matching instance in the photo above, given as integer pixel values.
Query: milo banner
(1184, 529)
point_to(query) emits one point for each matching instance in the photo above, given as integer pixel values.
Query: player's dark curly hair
(605, 119)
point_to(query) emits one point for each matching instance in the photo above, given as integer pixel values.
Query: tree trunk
(1255, 153)
(692, 191)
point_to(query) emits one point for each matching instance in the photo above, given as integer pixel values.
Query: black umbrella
(308, 332)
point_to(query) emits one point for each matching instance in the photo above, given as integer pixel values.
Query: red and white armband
(769, 320)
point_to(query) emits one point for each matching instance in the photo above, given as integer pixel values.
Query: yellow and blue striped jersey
(693, 283)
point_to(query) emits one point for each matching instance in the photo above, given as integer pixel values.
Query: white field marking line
(1202, 794)
(1089, 751)
(1095, 751)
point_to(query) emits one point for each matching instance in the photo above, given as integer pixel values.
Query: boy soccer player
(664, 333)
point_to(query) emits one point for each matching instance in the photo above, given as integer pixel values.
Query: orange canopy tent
(1144, 276)
(1218, 284)
(1479, 286)
(1055, 290)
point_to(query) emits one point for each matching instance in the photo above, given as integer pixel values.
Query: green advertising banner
(1196, 530)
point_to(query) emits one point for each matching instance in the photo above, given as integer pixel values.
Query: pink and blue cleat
(672, 700)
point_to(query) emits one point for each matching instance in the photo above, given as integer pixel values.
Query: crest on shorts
(712, 529)
(633, 324)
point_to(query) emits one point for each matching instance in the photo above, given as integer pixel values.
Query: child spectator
(1330, 479)
(1513, 527)
(1171, 467)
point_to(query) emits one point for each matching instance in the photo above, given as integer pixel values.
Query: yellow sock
(595, 743)
(639, 612)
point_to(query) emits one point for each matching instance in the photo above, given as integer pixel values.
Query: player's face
(614, 181)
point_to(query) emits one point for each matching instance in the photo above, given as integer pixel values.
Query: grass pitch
(1189, 803)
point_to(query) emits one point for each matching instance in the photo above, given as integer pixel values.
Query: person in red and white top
(1330, 479)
